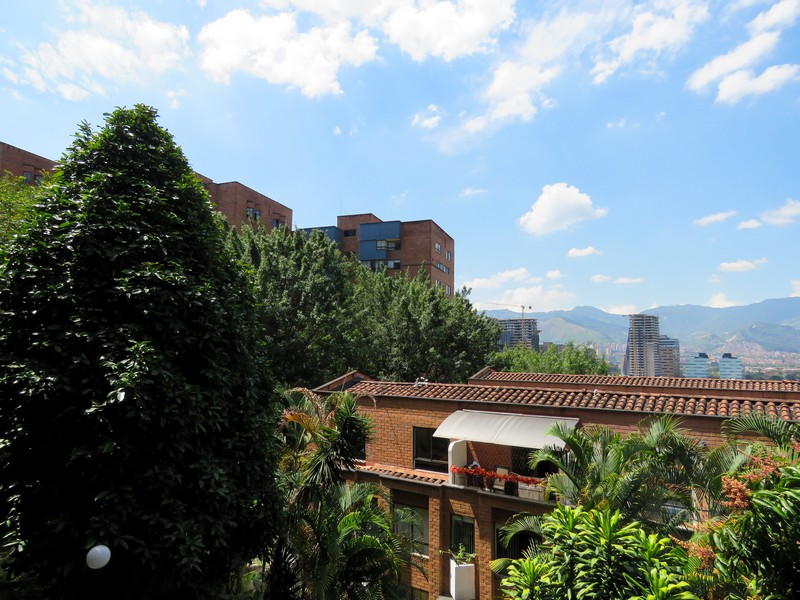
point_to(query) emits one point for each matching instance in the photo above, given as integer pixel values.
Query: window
(462, 532)
(449, 255)
(438, 283)
(409, 593)
(251, 212)
(520, 464)
(442, 267)
(438, 247)
(518, 544)
(28, 176)
(276, 223)
(257, 214)
(417, 531)
(393, 264)
(349, 233)
(430, 453)
(388, 244)
(447, 290)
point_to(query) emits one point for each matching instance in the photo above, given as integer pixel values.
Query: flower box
(532, 492)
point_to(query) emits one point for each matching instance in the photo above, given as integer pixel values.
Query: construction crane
(522, 307)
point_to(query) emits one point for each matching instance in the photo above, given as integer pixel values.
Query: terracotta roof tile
(680, 401)
(403, 473)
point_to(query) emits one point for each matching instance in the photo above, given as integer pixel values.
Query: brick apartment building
(236, 201)
(400, 246)
(496, 419)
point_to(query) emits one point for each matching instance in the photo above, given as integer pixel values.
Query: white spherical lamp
(98, 557)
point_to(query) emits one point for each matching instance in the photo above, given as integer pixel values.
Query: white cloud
(337, 131)
(628, 280)
(173, 97)
(446, 29)
(739, 266)
(272, 48)
(742, 57)
(749, 224)
(558, 208)
(599, 278)
(107, 46)
(467, 192)
(720, 300)
(714, 218)
(499, 279)
(621, 309)
(743, 83)
(616, 124)
(555, 274)
(580, 252)
(780, 15)
(785, 215)
(795, 288)
(429, 119)
(657, 28)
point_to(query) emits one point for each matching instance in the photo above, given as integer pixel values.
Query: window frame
(431, 462)
(462, 531)
(420, 533)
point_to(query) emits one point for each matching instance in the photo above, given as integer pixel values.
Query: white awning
(525, 431)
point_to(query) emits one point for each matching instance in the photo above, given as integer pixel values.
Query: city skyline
(620, 155)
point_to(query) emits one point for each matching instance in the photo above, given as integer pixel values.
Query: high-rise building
(399, 246)
(642, 355)
(670, 355)
(697, 366)
(730, 367)
(518, 332)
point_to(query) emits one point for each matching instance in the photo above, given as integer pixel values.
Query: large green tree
(571, 359)
(17, 199)
(135, 406)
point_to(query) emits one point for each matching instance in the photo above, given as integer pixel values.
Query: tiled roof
(684, 383)
(678, 403)
(403, 473)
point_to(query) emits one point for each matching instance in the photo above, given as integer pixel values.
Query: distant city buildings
(518, 332)
(399, 246)
(670, 356)
(697, 366)
(730, 367)
(642, 354)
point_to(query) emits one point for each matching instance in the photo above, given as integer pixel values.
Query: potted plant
(531, 487)
(462, 573)
(459, 475)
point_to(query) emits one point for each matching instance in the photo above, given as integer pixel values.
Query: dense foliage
(17, 199)
(571, 359)
(133, 387)
(595, 554)
(326, 314)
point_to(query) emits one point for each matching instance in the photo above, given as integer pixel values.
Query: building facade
(22, 163)
(669, 350)
(730, 367)
(398, 246)
(518, 332)
(237, 202)
(697, 366)
(642, 354)
(423, 430)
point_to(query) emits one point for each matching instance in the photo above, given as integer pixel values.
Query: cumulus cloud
(174, 97)
(741, 57)
(499, 279)
(104, 47)
(559, 207)
(581, 252)
(628, 280)
(272, 48)
(599, 278)
(467, 192)
(429, 119)
(795, 288)
(785, 215)
(749, 224)
(740, 266)
(720, 300)
(555, 274)
(714, 218)
(657, 28)
(743, 83)
(621, 309)
(337, 131)
(616, 124)
(447, 30)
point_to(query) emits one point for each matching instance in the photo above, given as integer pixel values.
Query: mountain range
(771, 326)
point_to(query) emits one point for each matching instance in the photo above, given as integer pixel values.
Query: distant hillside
(771, 325)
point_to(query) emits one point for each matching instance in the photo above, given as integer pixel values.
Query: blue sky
(618, 154)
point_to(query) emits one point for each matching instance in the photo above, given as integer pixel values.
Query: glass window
(520, 464)
(417, 530)
(438, 247)
(430, 453)
(257, 214)
(409, 593)
(393, 264)
(449, 255)
(462, 532)
(349, 232)
(250, 212)
(28, 176)
(388, 245)
(447, 289)
(519, 543)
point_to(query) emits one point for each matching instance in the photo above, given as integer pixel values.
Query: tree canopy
(134, 405)
(571, 359)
